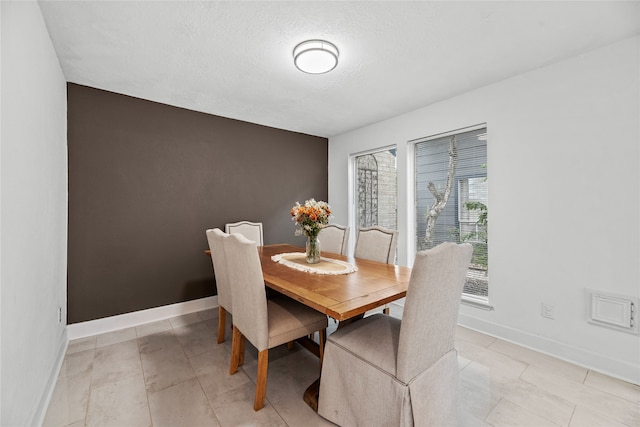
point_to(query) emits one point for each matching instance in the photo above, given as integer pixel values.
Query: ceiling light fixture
(315, 56)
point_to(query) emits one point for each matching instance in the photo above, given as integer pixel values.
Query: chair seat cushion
(290, 320)
(373, 339)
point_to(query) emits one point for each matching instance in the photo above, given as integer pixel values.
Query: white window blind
(452, 198)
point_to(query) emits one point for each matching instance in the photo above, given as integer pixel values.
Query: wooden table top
(340, 296)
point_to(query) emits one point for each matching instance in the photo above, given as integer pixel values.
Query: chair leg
(261, 381)
(386, 310)
(322, 338)
(222, 320)
(241, 360)
(237, 351)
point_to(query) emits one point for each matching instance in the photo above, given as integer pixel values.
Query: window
(452, 198)
(472, 208)
(376, 189)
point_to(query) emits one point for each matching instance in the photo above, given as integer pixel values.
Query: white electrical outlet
(548, 311)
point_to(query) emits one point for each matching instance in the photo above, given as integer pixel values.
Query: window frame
(353, 191)
(467, 299)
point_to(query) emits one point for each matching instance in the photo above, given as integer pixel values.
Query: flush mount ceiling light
(315, 56)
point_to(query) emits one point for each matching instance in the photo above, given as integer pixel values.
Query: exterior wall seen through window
(376, 189)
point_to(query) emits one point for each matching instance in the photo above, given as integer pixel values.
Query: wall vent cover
(613, 311)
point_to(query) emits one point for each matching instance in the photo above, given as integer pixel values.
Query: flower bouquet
(310, 218)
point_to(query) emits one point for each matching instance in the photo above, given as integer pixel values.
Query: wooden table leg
(311, 395)
(313, 391)
(310, 345)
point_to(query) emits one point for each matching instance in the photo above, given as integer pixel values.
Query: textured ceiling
(234, 59)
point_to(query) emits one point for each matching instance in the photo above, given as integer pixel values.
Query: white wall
(33, 214)
(563, 156)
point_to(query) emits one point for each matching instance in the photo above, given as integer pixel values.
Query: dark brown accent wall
(147, 179)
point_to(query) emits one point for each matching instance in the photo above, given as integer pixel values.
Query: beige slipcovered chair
(376, 244)
(334, 238)
(219, 260)
(265, 323)
(250, 230)
(391, 372)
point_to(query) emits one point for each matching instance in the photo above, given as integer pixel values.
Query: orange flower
(311, 217)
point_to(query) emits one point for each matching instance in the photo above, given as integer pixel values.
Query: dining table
(342, 295)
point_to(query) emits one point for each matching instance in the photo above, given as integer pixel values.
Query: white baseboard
(137, 318)
(620, 369)
(38, 416)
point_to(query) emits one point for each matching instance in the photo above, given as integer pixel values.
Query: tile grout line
(93, 365)
(201, 387)
(573, 413)
(144, 379)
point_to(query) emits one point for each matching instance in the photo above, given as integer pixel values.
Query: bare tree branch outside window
(441, 197)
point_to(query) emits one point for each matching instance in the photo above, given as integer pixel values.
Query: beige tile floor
(172, 373)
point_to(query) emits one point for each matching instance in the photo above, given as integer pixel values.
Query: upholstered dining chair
(250, 230)
(386, 371)
(376, 244)
(265, 323)
(334, 238)
(219, 260)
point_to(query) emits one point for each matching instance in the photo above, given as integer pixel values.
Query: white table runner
(298, 261)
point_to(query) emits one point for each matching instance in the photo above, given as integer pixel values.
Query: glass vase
(313, 249)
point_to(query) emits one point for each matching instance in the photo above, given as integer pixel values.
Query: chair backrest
(248, 290)
(215, 237)
(250, 230)
(376, 244)
(431, 307)
(334, 238)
